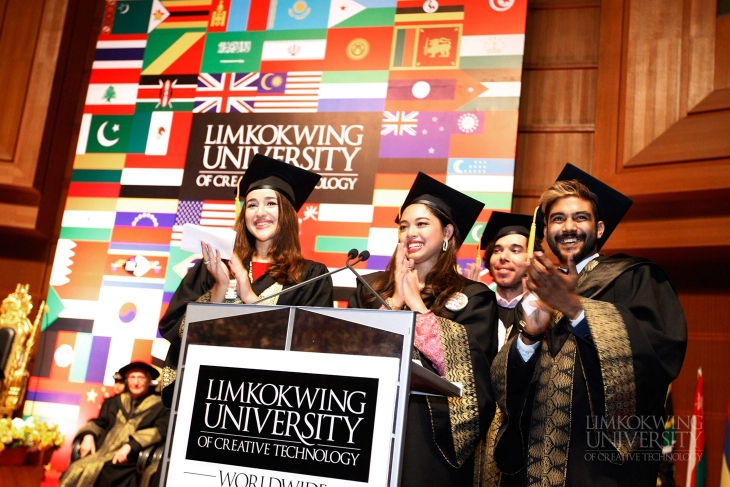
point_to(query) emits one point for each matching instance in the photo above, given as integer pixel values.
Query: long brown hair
(287, 262)
(442, 281)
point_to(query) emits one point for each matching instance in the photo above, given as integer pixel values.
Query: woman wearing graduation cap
(267, 256)
(452, 336)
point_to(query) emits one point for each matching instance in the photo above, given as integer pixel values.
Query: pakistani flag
(104, 133)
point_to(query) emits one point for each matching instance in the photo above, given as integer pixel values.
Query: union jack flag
(226, 92)
(398, 123)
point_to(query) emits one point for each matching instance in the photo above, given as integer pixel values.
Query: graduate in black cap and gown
(583, 385)
(504, 242)
(267, 257)
(452, 336)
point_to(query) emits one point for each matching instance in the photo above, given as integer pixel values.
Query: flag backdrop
(184, 92)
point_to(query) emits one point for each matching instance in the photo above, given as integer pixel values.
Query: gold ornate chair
(18, 336)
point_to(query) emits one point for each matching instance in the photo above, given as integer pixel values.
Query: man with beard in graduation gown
(267, 256)
(583, 385)
(128, 423)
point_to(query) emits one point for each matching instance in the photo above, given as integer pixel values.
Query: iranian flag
(697, 465)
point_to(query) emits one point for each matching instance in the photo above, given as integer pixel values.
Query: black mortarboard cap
(501, 224)
(138, 365)
(118, 377)
(462, 209)
(295, 183)
(612, 205)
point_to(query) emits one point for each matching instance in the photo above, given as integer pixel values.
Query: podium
(280, 396)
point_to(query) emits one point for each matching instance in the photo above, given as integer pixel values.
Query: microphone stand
(350, 256)
(365, 255)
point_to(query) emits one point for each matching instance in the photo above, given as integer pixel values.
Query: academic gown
(442, 434)
(587, 408)
(510, 319)
(196, 286)
(117, 425)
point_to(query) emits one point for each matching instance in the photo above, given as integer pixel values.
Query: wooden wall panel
(722, 60)
(569, 36)
(669, 70)
(33, 184)
(558, 100)
(557, 105)
(541, 156)
(17, 46)
(28, 50)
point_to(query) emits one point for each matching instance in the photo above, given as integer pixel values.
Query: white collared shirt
(502, 328)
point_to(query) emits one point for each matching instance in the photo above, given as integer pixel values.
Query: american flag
(226, 92)
(398, 123)
(295, 91)
(208, 213)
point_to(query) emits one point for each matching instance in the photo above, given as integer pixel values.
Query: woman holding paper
(266, 259)
(454, 331)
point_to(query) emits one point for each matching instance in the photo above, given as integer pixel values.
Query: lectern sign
(270, 418)
(314, 424)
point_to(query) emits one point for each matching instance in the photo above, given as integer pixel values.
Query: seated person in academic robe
(583, 385)
(128, 423)
(453, 332)
(504, 243)
(267, 257)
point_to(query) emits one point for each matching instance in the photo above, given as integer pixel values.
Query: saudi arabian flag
(725, 473)
(697, 463)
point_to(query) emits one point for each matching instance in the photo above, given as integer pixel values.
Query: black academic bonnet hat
(291, 181)
(463, 210)
(501, 224)
(612, 205)
(154, 373)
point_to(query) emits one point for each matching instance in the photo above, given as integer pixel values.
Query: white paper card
(529, 309)
(222, 239)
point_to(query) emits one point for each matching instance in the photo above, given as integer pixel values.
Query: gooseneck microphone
(351, 255)
(362, 257)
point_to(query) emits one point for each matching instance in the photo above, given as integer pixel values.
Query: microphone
(352, 254)
(362, 257)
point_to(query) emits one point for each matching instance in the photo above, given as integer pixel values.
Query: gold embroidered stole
(549, 436)
(464, 410)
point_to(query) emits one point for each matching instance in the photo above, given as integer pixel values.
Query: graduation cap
(118, 377)
(612, 205)
(144, 366)
(463, 210)
(501, 224)
(263, 172)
